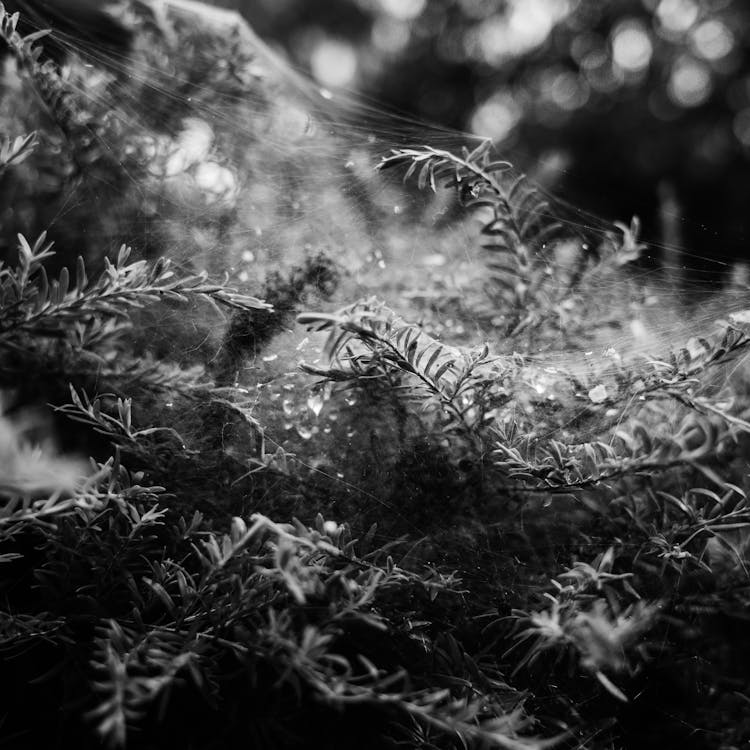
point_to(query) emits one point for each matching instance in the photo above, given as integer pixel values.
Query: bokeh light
(690, 82)
(633, 92)
(631, 46)
(712, 40)
(677, 16)
(404, 10)
(526, 25)
(496, 117)
(334, 62)
(389, 35)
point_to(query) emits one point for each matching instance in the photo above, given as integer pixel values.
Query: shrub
(527, 551)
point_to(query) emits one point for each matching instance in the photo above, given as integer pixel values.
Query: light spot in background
(677, 16)
(191, 146)
(436, 260)
(551, 166)
(712, 40)
(334, 63)
(526, 25)
(690, 82)
(404, 10)
(631, 46)
(566, 90)
(640, 333)
(389, 35)
(217, 183)
(496, 117)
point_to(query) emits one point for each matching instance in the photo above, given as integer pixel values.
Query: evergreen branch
(520, 234)
(462, 384)
(557, 467)
(31, 305)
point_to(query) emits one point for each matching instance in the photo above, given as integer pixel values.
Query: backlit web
(237, 164)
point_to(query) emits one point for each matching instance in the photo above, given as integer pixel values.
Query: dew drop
(598, 394)
(315, 403)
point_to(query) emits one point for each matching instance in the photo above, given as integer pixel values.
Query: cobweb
(239, 165)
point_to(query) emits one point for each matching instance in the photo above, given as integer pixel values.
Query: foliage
(575, 82)
(560, 554)
(634, 455)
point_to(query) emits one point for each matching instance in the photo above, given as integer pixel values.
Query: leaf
(426, 177)
(444, 368)
(81, 277)
(322, 320)
(482, 149)
(498, 166)
(433, 358)
(610, 687)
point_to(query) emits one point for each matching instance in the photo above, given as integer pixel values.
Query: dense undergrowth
(454, 544)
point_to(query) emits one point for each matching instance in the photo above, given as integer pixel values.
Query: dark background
(623, 106)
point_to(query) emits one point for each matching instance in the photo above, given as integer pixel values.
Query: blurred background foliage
(621, 106)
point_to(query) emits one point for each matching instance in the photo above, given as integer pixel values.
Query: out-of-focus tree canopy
(642, 106)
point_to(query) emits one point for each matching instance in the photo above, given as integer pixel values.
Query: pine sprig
(557, 467)
(33, 306)
(78, 125)
(521, 234)
(594, 613)
(261, 579)
(464, 386)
